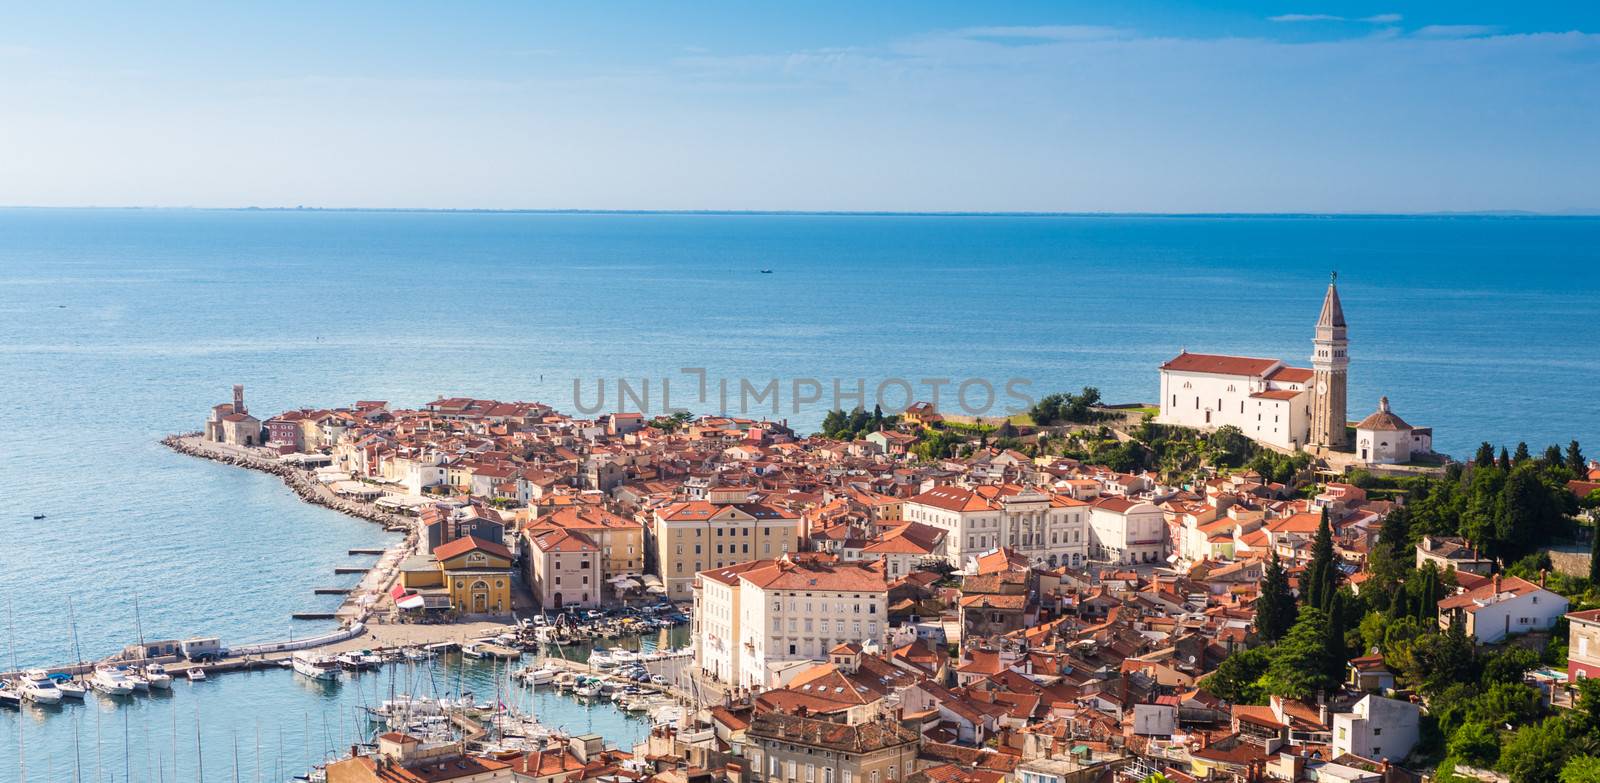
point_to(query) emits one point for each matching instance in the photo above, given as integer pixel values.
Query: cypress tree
(1522, 454)
(1485, 456)
(1505, 460)
(1552, 456)
(1594, 556)
(1575, 459)
(1322, 576)
(1275, 609)
(1338, 655)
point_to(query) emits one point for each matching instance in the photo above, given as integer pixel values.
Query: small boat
(539, 676)
(9, 696)
(766, 271)
(138, 680)
(157, 676)
(70, 688)
(38, 516)
(195, 674)
(317, 667)
(38, 688)
(111, 681)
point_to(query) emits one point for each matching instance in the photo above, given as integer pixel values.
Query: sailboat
(70, 688)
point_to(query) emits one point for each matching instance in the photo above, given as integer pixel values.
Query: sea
(118, 327)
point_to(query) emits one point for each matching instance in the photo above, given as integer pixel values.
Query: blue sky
(1125, 106)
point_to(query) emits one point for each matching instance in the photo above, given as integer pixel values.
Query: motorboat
(37, 687)
(358, 660)
(70, 688)
(317, 667)
(111, 680)
(195, 674)
(157, 676)
(138, 680)
(540, 676)
(9, 695)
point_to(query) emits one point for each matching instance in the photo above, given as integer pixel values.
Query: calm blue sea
(119, 326)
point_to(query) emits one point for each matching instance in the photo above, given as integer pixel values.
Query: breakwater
(302, 482)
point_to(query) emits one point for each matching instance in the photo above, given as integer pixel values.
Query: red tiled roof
(1219, 365)
(466, 544)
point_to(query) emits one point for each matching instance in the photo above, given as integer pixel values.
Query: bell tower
(1330, 364)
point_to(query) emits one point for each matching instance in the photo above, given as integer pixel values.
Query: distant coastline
(1504, 213)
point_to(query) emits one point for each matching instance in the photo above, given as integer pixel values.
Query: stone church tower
(1330, 364)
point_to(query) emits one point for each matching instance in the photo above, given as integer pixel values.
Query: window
(776, 769)
(811, 773)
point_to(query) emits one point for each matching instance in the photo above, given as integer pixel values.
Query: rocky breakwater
(302, 482)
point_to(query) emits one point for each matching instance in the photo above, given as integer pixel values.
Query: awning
(405, 600)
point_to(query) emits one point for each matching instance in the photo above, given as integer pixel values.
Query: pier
(330, 590)
(350, 570)
(366, 551)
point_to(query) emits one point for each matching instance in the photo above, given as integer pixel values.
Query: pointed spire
(1332, 312)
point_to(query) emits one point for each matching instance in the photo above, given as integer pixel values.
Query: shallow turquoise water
(120, 326)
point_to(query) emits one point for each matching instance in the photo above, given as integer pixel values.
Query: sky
(1130, 106)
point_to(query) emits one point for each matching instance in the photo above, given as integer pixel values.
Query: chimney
(1496, 584)
(238, 398)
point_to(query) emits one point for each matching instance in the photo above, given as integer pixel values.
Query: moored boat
(111, 680)
(195, 674)
(70, 688)
(317, 667)
(37, 687)
(157, 676)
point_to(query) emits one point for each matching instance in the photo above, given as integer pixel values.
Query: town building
(1049, 530)
(1503, 607)
(1377, 728)
(1266, 399)
(563, 568)
(1385, 438)
(1447, 552)
(797, 749)
(1127, 531)
(694, 536)
(1583, 644)
(232, 424)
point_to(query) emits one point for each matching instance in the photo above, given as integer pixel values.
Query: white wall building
(1050, 530)
(1266, 399)
(1127, 531)
(1507, 606)
(791, 611)
(1377, 728)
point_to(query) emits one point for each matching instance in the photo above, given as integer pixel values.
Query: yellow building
(621, 540)
(476, 575)
(698, 535)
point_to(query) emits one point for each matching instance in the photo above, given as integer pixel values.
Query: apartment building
(1050, 530)
(698, 535)
(796, 749)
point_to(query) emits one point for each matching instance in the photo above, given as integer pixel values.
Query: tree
(1485, 456)
(1552, 456)
(1581, 769)
(1594, 556)
(1393, 555)
(1275, 610)
(1439, 659)
(1322, 576)
(1237, 678)
(1300, 666)
(1535, 753)
(1522, 454)
(1575, 462)
(1505, 459)
(1477, 743)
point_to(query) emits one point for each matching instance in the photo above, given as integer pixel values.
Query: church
(1290, 408)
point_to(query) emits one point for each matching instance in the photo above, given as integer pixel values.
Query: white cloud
(1038, 33)
(1457, 30)
(1305, 18)
(1382, 18)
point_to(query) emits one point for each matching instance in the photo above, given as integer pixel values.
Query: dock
(331, 590)
(314, 616)
(350, 569)
(367, 551)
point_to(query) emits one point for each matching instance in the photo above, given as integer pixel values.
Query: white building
(1127, 531)
(1269, 401)
(752, 618)
(1384, 438)
(1050, 530)
(1377, 728)
(1503, 607)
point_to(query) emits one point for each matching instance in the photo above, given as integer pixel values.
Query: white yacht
(137, 679)
(537, 676)
(195, 674)
(9, 695)
(37, 687)
(157, 676)
(317, 667)
(111, 680)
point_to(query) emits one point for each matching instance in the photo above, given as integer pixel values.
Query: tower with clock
(1330, 366)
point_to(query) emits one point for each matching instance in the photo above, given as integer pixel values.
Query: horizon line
(1501, 213)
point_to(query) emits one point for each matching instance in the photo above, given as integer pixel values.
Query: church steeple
(1330, 363)
(1332, 312)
